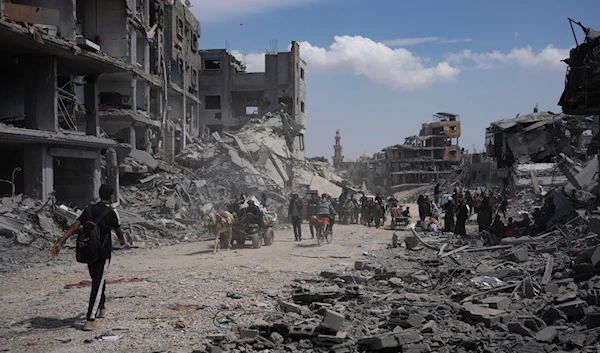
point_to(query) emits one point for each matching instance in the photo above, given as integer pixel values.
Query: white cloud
(396, 68)
(254, 62)
(403, 42)
(549, 58)
(216, 11)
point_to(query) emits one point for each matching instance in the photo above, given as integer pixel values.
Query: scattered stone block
(551, 288)
(518, 254)
(288, 307)
(214, 349)
(411, 242)
(248, 333)
(383, 342)
(475, 313)
(528, 291)
(546, 335)
(276, 338)
(596, 257)
(499, 302)
(415, 320)
(552, 314)
(593, 320)
(573, 308)
(332, 321)
(520, 329)
(429, 327)
(360, 265)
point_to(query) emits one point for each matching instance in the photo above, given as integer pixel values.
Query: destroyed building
(427, 157)
(534, 143)
(232, 96)
(581, 95)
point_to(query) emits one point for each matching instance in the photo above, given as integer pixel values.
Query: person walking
(312, 209)
(422, 207)
(462, 215)
(449, 215)
(436, 193)
(106, 218)
(484, 215)
(295, 213)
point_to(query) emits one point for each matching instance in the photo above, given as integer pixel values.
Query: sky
(378, 69)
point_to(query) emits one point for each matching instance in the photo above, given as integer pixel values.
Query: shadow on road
(45, 323)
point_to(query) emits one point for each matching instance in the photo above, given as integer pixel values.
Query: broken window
(302, 108)
(251, 110)
(212, 64)
(194, 82)
(194, 43)
(212, 102)
(179, 28)
(302, 73)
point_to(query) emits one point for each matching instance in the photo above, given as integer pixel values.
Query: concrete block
(596, 257)
(411, 242)
(519, 254)
(320, 308)
(520, 329)
(551, 288)
(330, 340)
(288, 307)
(332, 321)
(552, 314)
(360, 265)
(474, 314)
(546, 335)
(592, 320)
(383, 342)
(593, 297)
(528, 291)
(499, 302)
(429, 327)
(410, 336)
(415, 320)
(573, 308)
(248, 333)
(416, 348)
(276, 338)
(301, 332)
(214, 349)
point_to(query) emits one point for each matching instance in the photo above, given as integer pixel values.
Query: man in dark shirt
(312, 209)
(98, 270)
(295, 214)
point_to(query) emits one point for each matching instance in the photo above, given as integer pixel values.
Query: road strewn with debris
(183, 285)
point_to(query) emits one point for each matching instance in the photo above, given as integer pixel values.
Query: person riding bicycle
(326, 209)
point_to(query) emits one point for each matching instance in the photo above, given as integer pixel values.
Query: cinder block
(411, 242)
(499, 302)
(301, 331)
(518, 254)
(551, 288)
(332, 321)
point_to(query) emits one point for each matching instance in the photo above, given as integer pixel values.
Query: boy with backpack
(94, 248)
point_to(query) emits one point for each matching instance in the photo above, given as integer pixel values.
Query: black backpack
(88, 241)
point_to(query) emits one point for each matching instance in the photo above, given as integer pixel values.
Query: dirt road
(184, 282)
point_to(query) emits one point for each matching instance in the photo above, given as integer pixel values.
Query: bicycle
(322, 228)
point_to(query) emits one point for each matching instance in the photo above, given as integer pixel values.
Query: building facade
(427, 157)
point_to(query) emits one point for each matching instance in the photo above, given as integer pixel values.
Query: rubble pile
(443, 294)
(254, 160)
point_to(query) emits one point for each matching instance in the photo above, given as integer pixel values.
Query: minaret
(337, 150)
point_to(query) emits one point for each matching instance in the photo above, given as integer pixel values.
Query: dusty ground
(184, 282)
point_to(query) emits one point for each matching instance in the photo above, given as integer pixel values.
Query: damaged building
(427, 157)
(541, 142)
(232, 96)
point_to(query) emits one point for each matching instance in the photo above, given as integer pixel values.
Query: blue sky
(378, 69)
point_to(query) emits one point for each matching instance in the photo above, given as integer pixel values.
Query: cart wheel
(320, 235)
(328, 236)
(256, 241)
(269, 237)
(240, 241)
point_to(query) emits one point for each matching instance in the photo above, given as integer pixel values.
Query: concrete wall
(105, 22)
(66, 25)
